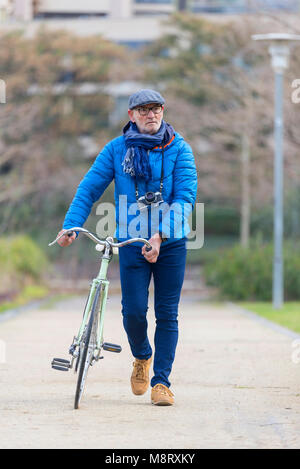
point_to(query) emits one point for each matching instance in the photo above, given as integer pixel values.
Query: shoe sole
(138, 393)
(162, 403)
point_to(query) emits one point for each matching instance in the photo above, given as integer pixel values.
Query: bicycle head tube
(108, 248)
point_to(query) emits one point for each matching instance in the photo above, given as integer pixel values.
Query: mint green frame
(101, 279)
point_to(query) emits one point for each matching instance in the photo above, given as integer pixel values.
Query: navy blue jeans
(168, 276)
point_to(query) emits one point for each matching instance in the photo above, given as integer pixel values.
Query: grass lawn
(288, 316)
(29, 293)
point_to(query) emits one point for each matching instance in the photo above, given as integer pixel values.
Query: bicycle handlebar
(100, 241)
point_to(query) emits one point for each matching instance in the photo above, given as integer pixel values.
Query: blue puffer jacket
(179, 187)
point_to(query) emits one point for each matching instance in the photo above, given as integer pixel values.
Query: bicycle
(86, 347)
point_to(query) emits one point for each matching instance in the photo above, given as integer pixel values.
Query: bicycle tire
(78, 357)
(85, 355)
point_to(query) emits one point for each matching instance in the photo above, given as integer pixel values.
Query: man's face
(147, 118)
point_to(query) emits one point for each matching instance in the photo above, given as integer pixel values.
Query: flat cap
(142, 97)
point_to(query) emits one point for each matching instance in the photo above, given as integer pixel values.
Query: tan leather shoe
(140, 376)
(161, 395)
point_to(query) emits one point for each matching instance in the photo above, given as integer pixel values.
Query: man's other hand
(66, 240)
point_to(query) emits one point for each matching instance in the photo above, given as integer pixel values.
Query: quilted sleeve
(174, 221)
(91, 188)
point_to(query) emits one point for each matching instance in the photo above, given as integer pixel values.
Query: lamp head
(279, 48)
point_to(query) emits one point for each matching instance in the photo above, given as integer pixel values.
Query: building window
(228, 6)
(154, 1)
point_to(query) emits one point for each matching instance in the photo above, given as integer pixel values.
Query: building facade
(31, 9)
(133, 23)
(26, 10)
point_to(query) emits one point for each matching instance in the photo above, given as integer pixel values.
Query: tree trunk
(182, 5)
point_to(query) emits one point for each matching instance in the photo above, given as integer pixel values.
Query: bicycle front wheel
(87, 348)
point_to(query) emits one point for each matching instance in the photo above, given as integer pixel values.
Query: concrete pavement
(234, 381)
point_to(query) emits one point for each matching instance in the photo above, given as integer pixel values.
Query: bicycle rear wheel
(87, 348)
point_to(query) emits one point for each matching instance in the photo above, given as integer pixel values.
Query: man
(153, 167)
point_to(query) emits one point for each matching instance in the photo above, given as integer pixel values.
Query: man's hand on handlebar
(66, 240)
(152, 255)
(66, 237)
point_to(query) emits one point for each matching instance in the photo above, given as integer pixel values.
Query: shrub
(221, 220)
(22, 262)
(246, 273)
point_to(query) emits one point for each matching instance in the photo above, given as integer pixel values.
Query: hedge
(22, 262)
(246, 273)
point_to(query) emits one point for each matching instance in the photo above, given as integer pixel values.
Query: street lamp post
(279, 49)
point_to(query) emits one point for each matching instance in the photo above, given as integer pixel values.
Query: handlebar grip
(148, 248)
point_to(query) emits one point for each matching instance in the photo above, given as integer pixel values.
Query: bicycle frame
(101, 280)
(89, 339)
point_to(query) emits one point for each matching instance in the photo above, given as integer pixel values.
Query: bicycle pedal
(61, 360)
(60, 364)
(111, 347)
(60, 368)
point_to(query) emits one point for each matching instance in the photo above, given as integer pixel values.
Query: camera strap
(161, 177)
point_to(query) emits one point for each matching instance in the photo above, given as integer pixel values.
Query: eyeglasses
(144, 111)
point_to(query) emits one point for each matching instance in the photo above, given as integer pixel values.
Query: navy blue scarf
(136, 161)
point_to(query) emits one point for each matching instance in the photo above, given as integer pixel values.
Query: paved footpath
(234, 381)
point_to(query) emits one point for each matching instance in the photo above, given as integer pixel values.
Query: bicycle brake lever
(60, 236)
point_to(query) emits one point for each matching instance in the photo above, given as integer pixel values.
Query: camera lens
(150, 196)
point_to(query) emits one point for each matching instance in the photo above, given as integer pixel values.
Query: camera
(152, 199)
